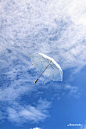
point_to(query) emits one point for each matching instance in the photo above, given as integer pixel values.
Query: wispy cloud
(20, 114)
(57, 26)
(35, 128)
(73, 90)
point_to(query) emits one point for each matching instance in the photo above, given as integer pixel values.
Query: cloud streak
(21, 114)
(35, 128)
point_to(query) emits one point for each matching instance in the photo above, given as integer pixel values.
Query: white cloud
(20, 114)
(36, 128)
(73, 90)
(13, 92)
(55, 28)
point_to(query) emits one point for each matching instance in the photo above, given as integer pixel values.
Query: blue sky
(56, 28)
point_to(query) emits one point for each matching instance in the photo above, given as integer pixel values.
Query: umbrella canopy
(47, 66)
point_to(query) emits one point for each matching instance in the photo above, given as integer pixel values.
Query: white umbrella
(47, 66)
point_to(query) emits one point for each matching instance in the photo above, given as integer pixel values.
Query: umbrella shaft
(43, 72)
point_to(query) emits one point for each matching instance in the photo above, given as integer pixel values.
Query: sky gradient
(56, 28)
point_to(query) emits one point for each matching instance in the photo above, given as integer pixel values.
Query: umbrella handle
(35, 81)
